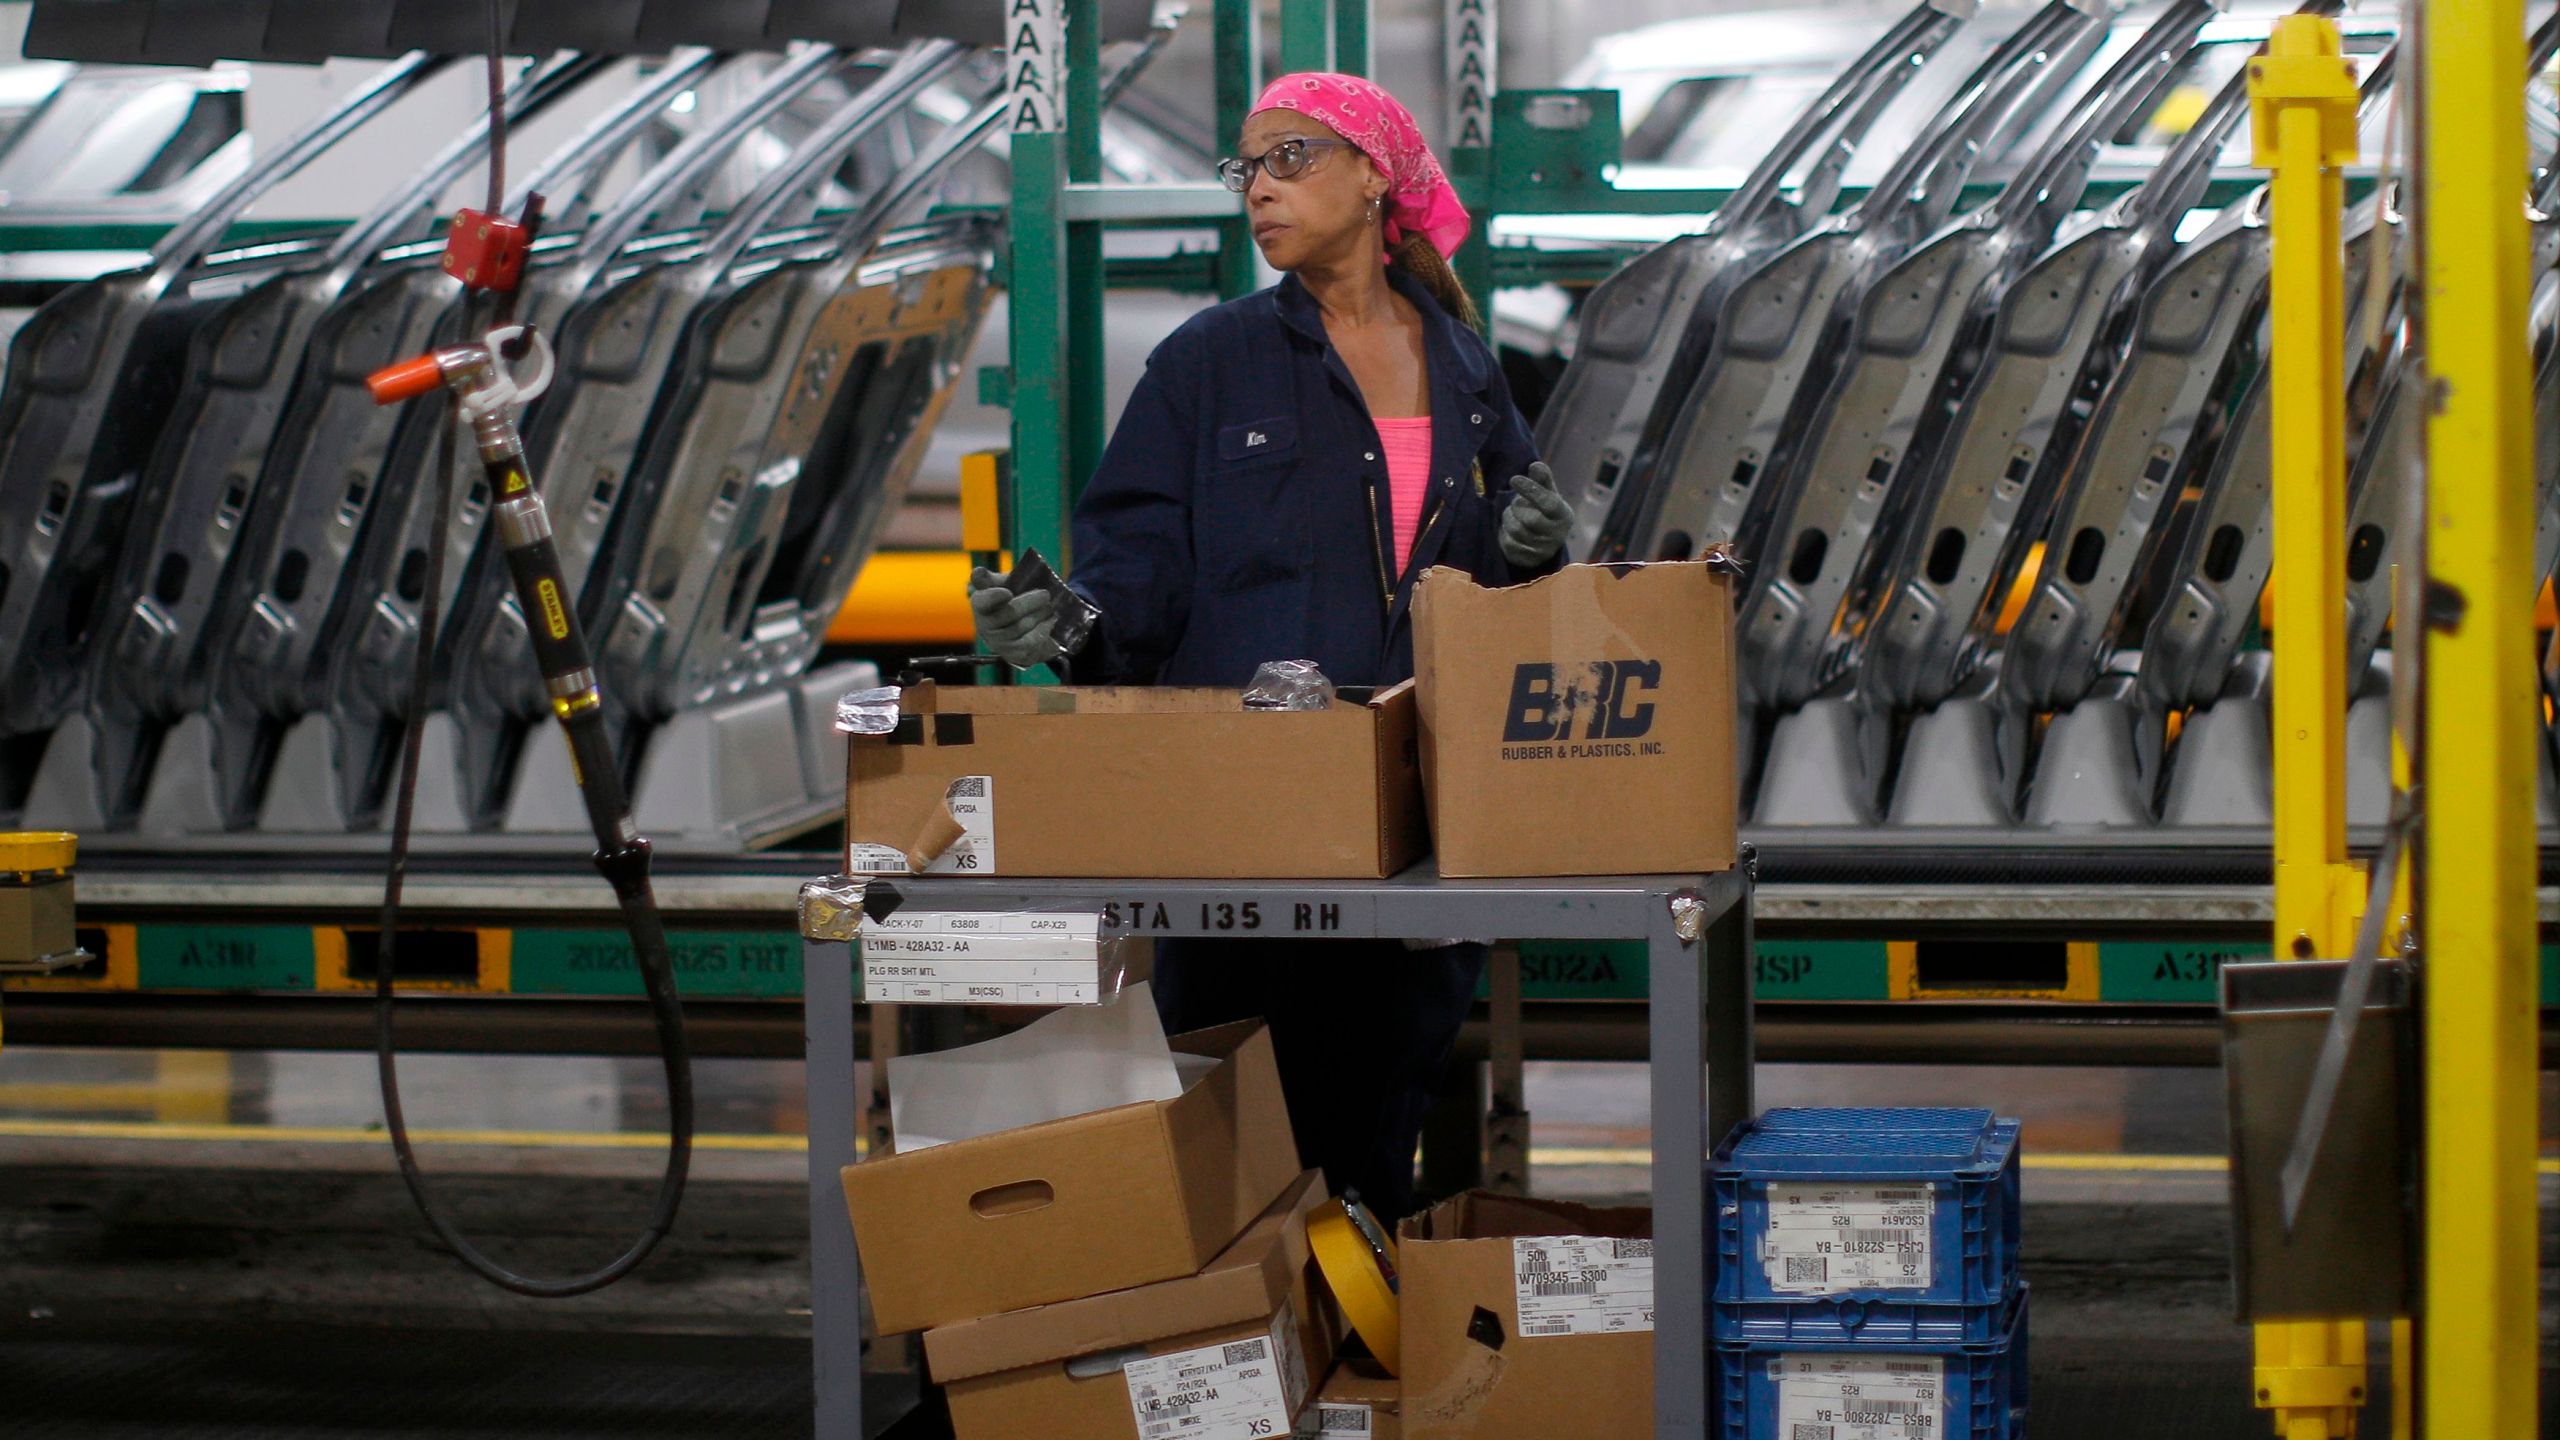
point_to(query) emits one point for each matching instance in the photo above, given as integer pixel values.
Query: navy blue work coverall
(1241, 514)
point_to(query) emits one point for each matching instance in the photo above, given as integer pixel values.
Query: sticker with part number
(1826, 1239)
(1579, 1285)
(1854, 1397)
(1243, 1389)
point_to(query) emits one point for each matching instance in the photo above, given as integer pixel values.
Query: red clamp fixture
(487, 251)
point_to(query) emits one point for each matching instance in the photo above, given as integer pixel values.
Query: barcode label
(1855, 1397)
(1336, 1422)
(874, 860)
(1833, 1239)
(1581, 1285)
(1247, 1388)
(971, 800)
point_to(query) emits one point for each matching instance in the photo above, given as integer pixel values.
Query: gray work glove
(1537, 520)
(1017, 629)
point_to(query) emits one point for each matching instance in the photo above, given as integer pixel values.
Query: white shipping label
(874, 860)
(1856, 1397)
(993, 948)
(972, 799)
(982, 992)
(1578, 1285)
(1336, 1422)
(1086, 924)
(1244, 1390)
(1830, 1239)
(982, 982)
(883, 968)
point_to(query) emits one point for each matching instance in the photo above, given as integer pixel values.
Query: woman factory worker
(1285, 471)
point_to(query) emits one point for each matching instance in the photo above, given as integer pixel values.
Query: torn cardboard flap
(1480, 1215)
(1472, 1369)
(941, 831)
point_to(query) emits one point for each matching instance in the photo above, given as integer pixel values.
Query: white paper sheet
(1068, 1062)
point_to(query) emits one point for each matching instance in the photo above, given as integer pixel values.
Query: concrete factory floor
(211, 1245)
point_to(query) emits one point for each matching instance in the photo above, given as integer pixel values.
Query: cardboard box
(1582, 724)
(1526, 1320)
(36, 920)
(1359, 1401)
(1075, 1207)
(1136, 782)
(1227, 1354)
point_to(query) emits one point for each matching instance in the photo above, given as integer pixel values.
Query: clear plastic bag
(831, 908)
(868, 712)
(1289, 685)
(1076, 615)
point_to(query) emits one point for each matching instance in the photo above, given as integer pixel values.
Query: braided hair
(1417, 258)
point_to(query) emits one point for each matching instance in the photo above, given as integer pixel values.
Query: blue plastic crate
(1979, 1392)
(1855, 1320)
(1962, 1173)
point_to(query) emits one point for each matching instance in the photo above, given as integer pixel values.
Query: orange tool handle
(405, 381)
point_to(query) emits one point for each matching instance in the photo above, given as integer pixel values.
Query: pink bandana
(1420, 198)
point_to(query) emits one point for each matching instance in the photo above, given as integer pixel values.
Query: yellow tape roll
(1359, 1264)
(38, 850)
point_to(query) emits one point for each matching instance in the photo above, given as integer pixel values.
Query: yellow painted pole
(2302, 102)
(2477, 1344)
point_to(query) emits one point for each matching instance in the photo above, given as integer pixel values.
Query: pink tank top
(1407, 444)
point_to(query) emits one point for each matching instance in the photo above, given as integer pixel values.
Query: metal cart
(1698, 932)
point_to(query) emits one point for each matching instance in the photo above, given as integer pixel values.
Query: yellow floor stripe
(356, 1135)
(1566, 1156)
(2212, 1163)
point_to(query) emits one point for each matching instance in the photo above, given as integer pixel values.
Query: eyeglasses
(1285, 161)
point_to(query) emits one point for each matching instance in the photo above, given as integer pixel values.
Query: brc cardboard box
(1526, 1320)
(1075, 1207)
(1227, 1354)
(1136, 783)
(1582, 724)
(1359, 1401)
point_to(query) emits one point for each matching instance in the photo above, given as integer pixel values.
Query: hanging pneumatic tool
(487, 252)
